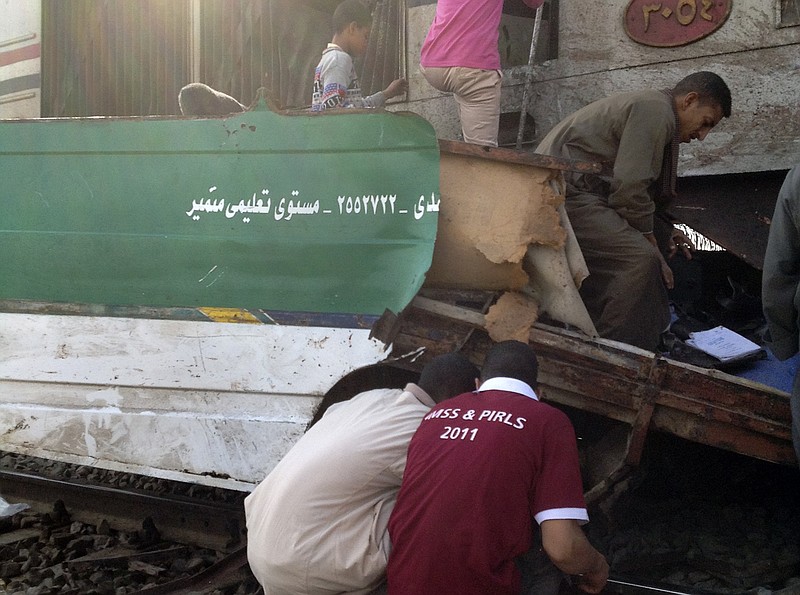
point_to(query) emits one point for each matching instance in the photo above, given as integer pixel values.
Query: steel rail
(215, 525)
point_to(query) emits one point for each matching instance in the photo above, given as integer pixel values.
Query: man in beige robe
(619, 215)
(317, 525)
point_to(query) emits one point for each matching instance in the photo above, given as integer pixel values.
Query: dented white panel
(167, 398)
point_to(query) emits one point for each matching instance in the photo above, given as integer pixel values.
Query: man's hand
(679, 240)
(666, 272)
(595, 580)
(568, 548)
(395, 88)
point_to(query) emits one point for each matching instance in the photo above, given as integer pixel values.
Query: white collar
(511, 385)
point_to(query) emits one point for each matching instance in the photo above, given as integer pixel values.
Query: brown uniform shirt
(628, 132)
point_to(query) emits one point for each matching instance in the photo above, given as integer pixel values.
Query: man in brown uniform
(619, 215)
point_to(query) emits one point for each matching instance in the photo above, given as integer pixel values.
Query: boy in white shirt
(335, 79)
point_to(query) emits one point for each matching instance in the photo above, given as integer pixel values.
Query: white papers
(723, 343)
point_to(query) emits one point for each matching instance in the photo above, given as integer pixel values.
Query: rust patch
(512, 317)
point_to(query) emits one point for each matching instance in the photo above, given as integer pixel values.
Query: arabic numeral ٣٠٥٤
(685, 11)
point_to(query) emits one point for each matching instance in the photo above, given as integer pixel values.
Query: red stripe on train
(19, 55)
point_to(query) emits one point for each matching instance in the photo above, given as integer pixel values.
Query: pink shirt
(464, 33)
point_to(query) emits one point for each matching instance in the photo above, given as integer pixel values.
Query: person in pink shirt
(460, 56)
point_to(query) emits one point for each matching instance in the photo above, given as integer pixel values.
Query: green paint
(94, 210)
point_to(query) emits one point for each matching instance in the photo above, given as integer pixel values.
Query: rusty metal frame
(626, 384)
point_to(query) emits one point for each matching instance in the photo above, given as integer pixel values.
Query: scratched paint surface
(334, 213)
(177, 399)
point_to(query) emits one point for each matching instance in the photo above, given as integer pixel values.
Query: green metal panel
(332, 213)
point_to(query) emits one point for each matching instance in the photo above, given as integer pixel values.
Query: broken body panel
(173, 308)
(178, 294)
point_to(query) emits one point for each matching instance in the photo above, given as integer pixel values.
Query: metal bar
(523, 110)
(512, 156)
(629, 587)
(19, 39)
(20, 97)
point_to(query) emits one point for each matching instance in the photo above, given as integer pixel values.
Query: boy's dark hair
(448, 375)
(512, 359)
(351, 11)
(709, 86)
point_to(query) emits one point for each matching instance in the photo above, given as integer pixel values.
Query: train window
(516, 33)
(134, 62)
(144, 52)
(384, 60)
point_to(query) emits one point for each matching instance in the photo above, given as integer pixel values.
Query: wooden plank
(465, 315)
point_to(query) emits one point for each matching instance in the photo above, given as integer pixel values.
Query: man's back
(594, 132)
(463, 34)
(317, 523)
(476, 473)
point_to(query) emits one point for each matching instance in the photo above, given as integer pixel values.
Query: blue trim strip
(364, 321)
(317, 319)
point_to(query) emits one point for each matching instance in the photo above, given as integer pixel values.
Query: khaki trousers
(477, 94)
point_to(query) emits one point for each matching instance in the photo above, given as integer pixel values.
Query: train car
(177, 291)
(182, 295)
(20, 59)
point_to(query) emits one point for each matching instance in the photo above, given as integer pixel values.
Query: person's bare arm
(396, 87)
(567, 546)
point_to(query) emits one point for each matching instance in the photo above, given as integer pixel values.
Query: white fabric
(511, 385)
(317, 523)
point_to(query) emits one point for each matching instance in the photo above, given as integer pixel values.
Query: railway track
(213, 525)
(82, 534)
(81, 538)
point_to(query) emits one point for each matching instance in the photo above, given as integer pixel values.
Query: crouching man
(317, 523)
(492, 474)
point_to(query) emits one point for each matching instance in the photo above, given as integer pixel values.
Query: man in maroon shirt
(481, 468)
